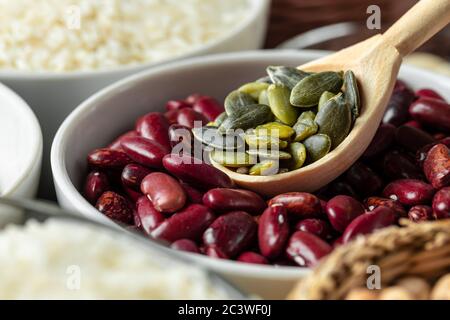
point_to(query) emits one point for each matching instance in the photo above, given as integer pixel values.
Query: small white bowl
(54, 95)
(21, 151)
(114, 110)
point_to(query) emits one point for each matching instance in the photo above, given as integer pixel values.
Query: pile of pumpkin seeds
(283, 121)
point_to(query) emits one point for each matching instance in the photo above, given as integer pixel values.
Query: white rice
(68, 35)
(62, 260)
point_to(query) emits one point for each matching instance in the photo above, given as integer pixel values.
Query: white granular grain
(62, 260)
(68, 35)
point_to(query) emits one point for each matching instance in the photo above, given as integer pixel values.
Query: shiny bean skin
(117, 144)
(372, 203)
(166, 193)
(185, 245)
(306, 249)
(190, 223)
(273, 231)
(397, 108)
(115, 207)
(252, 257)
(231, 233)
(214, 252)
(441, 203)
(342, 210)
(210, 108)
(420, 213)
(133, 174)
(300, 204)
(147, 217)
(177, 105)
(96, 184)
(318, 227)
(154, 126)
(431, 112)
(437, 166)
(429, 93)
(108, 159)
(144, 151)
(188, 118)
(224, 199)
(409, 191)
(369, 222)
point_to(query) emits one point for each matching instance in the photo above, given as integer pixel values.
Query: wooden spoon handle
(418, 25)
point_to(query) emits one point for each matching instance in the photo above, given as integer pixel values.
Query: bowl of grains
(55, 53)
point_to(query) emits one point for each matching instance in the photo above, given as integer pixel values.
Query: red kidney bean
(398, 166)
(306, 249)
(437, 166)
(223, 200)
(363, 179)
(171, 116)
(194, 195)
(117, 144)
(412, 138)
(381, 141)
(180, 134)
(185, 245)
(208, 107)
(231, 233)
(431, 112)
(422, 153)
(214, 252)
(341, 210)
(420, 213)
(144, 151)
(399, 85)
(154, 126)
(96, 184)
(166, 193)
(195, 172)
(429, 93)
(108, 159)
(375, 202)
(318, 227)
(188, 118)
(133, 174)
(414, 124)
(409, 191)
(300, 204)
(252, 257)
(115, 207)
(441, 203)
(190, 223)
(369, 222)
(177, 105)
(273, 231)
(147, 217)
(193, 98)
(397, 108)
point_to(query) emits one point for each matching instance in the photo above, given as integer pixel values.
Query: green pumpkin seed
(264, 142)
(254, 116)
(298, 152)
(236, 101)
(287, 76)
(220, 118)
(254, 88)
(264, 168)
(263, 98)
(305, 126)
(317, 146)
(211, 137)
(327, 95)
(233, 159)
(279, 104)
(335, 119)
(265, 79)
(270, 154)
(352, 93)
(275, 128)
(243, 170)
(308, 91)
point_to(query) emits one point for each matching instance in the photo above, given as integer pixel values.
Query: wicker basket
(416, 249)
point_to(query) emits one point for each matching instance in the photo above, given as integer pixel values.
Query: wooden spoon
(375, 62)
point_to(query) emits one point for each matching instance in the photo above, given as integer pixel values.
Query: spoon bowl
(375, 63)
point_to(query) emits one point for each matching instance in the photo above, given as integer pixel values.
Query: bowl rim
(258, 8)
(35, 134)
(66, 187)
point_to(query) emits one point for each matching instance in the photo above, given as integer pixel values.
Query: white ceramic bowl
(53, 96)
(113, 110)
(21, 151)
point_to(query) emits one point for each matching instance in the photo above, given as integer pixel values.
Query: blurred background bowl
(53, 96)
(21, 151)
(103, 117)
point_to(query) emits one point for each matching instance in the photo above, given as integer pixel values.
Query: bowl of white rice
(63, 259)
(56, 53)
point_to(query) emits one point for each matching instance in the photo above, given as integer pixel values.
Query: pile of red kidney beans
(405, 172)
